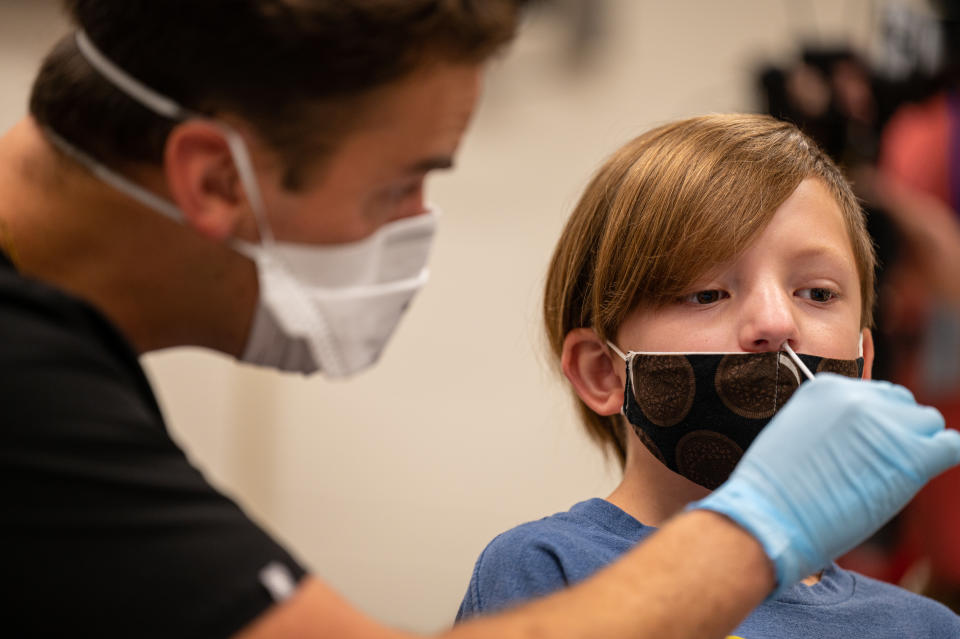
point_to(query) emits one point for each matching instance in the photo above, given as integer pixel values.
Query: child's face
(797, 282)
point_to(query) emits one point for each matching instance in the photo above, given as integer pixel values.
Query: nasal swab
(797, 361)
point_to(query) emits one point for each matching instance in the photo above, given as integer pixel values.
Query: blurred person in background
(897, 138)
(919, 184)
(249, 177)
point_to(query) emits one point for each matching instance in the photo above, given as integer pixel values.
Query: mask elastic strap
(164, 106)
(144, 196)
(617, 350)
(248, 178)
(140, 92)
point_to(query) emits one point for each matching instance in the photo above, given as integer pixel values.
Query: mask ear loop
(797, 361)
(623, 356)
(137, 90)
(617, 350)
(114, 179)
(248, 179)
(164, 106)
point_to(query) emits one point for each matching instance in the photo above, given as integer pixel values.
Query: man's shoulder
(27, 302)
(68, 375)
(104, 508)
(49, 332)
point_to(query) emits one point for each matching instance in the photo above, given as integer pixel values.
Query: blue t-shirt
(543, 556)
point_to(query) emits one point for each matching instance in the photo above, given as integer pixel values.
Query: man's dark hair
(297, 70)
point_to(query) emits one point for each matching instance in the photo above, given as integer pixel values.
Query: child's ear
(596, 373)
(867, 345)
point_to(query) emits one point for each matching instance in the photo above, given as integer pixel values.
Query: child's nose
(767, 320)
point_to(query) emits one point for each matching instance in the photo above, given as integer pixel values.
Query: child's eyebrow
(821, 252)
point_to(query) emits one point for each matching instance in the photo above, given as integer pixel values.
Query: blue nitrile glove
(835, 463)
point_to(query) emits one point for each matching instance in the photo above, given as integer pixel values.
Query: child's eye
(705, 297)
(817, 294)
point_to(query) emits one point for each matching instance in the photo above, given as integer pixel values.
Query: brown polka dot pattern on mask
(707, 458)
(743, 384)
(664, 387)
(847, 367)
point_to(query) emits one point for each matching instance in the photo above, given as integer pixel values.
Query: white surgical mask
(334, 308)
(330, 308)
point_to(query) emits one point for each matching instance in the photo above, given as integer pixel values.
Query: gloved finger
(922, 420)
(867, 390)
(944, 448)
(890, 392)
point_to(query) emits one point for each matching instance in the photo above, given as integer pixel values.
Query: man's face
(377, 172)
(797, 282)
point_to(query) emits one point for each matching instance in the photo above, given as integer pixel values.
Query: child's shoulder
(594, 523)
(534, 540)
(910, 608)
(542, 556)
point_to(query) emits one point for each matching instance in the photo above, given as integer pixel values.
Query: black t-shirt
(106, 530)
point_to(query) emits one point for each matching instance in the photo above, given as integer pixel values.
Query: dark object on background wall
(846, 106)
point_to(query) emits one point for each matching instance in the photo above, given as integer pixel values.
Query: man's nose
(767, 319)
(412, 206)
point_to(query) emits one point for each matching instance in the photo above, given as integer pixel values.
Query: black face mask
(697, 413)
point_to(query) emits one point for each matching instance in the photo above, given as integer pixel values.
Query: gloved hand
(835, 463)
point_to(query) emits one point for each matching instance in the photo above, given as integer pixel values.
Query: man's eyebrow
(431, 164)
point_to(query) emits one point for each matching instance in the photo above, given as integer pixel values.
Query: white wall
(390, 485)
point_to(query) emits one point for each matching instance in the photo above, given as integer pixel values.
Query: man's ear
(867, 354)
(202, 178)
(594, 372)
